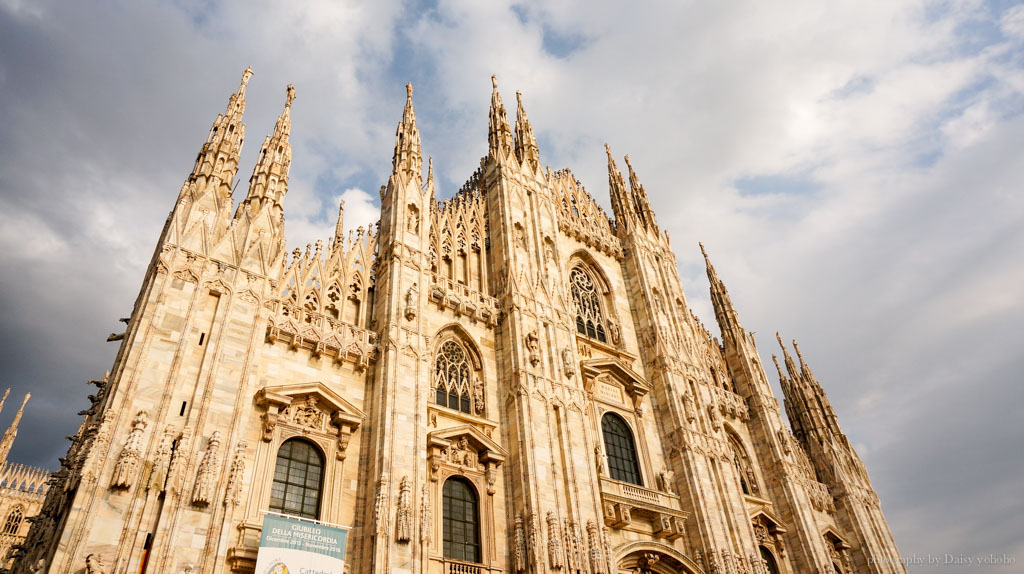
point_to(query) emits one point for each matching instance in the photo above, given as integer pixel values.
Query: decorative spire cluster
(810, 413)
(641, 204)
(632, 209)
(217, 161)
(269, 181)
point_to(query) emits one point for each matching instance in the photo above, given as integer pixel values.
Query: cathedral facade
(508, 381)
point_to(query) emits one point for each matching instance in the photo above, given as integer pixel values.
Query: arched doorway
(648, 557)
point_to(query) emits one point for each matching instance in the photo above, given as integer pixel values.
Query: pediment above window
(634, 385)
(312, 407)
(467, 449)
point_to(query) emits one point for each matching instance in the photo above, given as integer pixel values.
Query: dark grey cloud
(853, 169)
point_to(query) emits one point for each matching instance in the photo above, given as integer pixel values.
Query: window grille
(298, 477)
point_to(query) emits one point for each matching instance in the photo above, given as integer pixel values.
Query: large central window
(298, 475)
(618, 440)
(589, 318)
(461, 531)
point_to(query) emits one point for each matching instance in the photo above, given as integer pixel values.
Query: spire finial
(289, 96)
(246, 74)
(4, 399)
(408, 91)
(494, 81)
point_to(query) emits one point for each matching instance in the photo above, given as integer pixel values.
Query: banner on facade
(291, 546)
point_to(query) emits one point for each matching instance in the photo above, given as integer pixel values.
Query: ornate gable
(630, 380)
(311, 406)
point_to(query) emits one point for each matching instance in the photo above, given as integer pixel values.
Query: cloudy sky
(855, 169)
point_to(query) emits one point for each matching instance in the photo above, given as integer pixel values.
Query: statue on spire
(290, 97)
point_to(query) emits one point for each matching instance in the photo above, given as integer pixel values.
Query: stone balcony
(622, 503)
(463, 300)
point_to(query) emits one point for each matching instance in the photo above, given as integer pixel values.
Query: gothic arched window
(618, 442)
(453, 382)
(461, 526)
(769, 560)
(743, 467)
(298, 479)
(13, 522)
(589, 318)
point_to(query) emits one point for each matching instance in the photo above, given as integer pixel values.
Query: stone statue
(425, 517)
(478, 396)
(128, 461)
(599, 459)
(94, 564)
(158, 476)
(403, 522)
(714, 417)
(206, 478)
(665, 481)
(689, 407)
(533, 346)
(411, 301)
(520, 545)
(613, 331)
(554, 542)
(380, 506)
(567, 363)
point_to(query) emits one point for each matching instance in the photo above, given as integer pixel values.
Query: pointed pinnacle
(778, 368)
(803, 365)
(338, 228)
(790, 367)
(246, 74)
(494, 81)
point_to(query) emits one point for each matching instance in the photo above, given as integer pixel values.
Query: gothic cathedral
(506, 381)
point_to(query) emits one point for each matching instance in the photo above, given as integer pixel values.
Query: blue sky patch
(778, 184)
